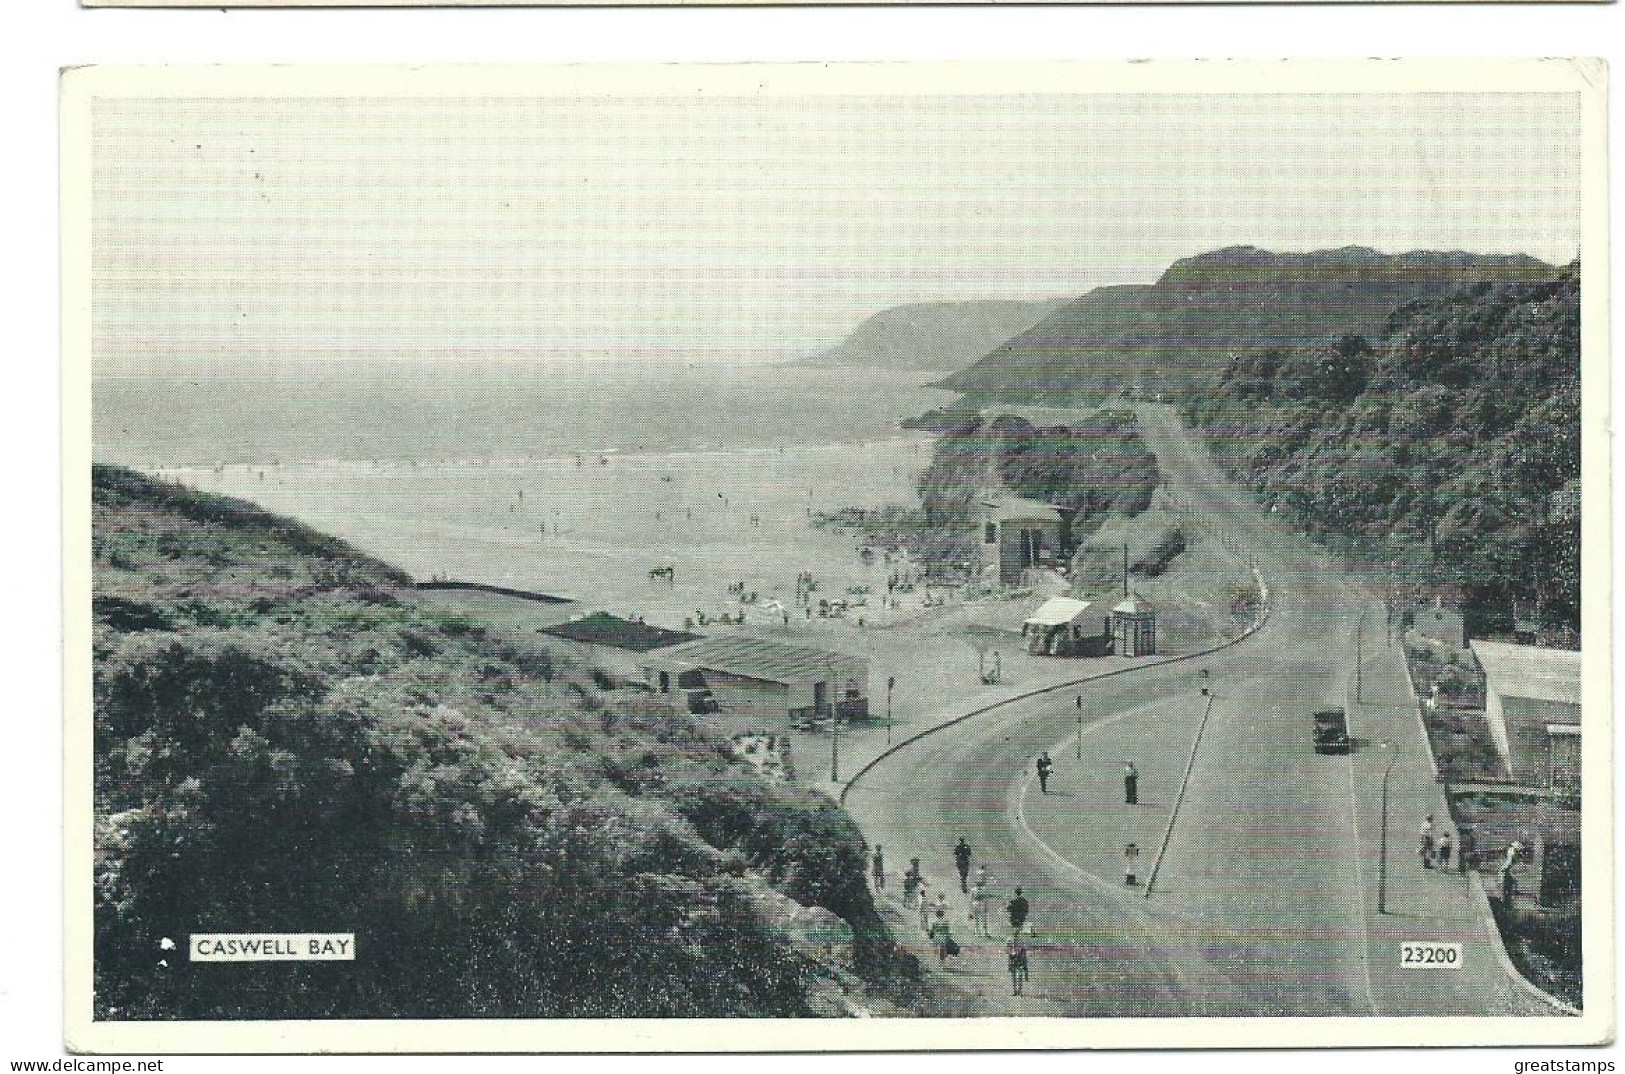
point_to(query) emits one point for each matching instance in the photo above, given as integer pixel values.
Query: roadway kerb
(1475, 886)
(1262, 620)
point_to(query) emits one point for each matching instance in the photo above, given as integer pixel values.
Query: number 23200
(1430, 956)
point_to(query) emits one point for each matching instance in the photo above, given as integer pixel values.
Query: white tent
(1057, 612)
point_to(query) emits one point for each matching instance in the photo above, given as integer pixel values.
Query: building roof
(757, 658)
(601, 628)
(1530, 671)
(1058, 611)
(1132, 605)
(1009, 508)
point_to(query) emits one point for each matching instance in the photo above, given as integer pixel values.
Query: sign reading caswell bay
(1092, 545)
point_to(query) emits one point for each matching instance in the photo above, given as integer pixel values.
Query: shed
(1019, 533)
(1532, 705)
(767, 679)
(1134, 626)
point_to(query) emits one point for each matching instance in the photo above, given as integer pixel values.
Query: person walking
(1044, 765)
(913, 883)
(1426, 847)
(1016, 956)
(980, 894)
(925, 906)
(879, 869)
(1018, 909)
(1131, 783)
(1509, 882)
(962, 861)
(942, 936)
(1442, 853)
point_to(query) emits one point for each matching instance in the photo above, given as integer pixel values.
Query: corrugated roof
(1530, 671)
(757, 658)
(1058, 611)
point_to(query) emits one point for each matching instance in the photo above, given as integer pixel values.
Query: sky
(740, 227)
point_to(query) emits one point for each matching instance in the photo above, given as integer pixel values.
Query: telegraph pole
(834, 728)
(1359, 630)
(1382, 859)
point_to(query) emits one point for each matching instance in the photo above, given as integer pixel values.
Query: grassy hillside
(1456, 427)
(287, 739)
(1096, 467)
(934, 335)
(1185, 328)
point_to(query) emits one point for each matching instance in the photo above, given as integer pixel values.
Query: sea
(567, 475)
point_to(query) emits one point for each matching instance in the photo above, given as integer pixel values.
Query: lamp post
(834, 726)
(891, 681)
(1382, 859)
(1359, 633)
(1079, 703)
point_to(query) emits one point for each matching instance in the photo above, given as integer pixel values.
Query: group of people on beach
(937, 915)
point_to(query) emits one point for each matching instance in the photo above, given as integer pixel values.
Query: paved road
(1265, 902)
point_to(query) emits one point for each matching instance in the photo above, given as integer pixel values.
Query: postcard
(661, 559)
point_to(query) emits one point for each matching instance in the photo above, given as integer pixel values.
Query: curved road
(1265, 901)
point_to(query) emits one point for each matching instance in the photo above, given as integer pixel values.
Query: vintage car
(1331, 732)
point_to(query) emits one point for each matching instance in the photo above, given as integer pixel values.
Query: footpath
(1422, 904)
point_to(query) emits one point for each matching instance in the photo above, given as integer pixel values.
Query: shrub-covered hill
(1459, 424)
(1096, 466)
(286, 739)
(1178, 332)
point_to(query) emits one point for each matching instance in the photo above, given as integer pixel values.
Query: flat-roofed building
(1019, 533)
(1532, 705)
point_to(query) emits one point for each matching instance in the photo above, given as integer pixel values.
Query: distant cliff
(1206, 310)
(934, 335)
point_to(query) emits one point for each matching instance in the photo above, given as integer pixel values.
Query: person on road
(1018, 908)
(931, 912)
(1442, 854)
(1426, 847)
(1131, 783)
(981, 892)
(942, 936)
(1044, 765)
(879, 869)
(1016, 956)
(962, 860)
(913, 883)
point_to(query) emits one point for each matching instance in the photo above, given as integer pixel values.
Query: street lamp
(834, 727)
(891, 681)
(1382, 859)
(1079, 703)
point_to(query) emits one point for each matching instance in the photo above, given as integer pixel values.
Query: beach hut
(1064, 626)
(1019, 533)
(1134, 625)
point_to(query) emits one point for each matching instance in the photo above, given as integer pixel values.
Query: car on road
(1331, 731)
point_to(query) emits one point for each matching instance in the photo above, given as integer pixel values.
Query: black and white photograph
(1048, 555)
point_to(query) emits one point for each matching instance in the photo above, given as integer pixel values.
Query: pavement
(1266, 900)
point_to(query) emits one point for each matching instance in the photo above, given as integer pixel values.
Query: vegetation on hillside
(1094, 467)
(1167, 337)
(287, 739)
(1458, 425)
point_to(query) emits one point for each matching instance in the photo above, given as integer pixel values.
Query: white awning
(1058, 611)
